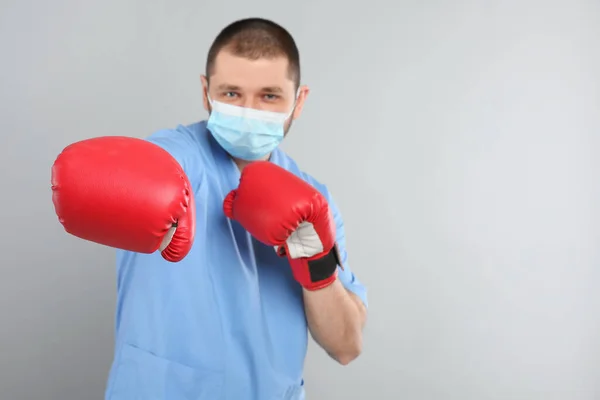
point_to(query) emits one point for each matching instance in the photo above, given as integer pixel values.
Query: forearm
(336, 318)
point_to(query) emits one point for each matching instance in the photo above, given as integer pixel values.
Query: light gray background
(459, 138)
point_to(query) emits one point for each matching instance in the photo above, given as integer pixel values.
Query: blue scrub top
(227, 322)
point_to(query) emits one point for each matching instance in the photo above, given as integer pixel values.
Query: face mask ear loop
(294, 105)
(210, 101)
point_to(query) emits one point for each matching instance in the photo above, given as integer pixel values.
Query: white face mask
(246, 133)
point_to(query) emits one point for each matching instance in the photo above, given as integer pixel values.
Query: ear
(204, 81)
(302, 94)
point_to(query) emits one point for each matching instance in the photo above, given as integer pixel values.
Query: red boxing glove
(281, 210)
(125, 193)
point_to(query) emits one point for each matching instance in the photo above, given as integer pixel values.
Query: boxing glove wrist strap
(316, 272)
(324, 267)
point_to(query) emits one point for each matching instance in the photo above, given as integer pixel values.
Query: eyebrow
(272, 89)
(225, 86)
(268, 89)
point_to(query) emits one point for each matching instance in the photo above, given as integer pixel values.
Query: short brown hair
(255, 38)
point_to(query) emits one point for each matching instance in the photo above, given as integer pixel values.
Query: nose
(251, 102)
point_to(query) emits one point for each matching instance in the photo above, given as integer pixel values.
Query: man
(257, 246)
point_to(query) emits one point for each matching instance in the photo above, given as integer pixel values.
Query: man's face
(262, 84)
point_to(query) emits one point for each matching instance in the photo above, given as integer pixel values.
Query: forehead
(251, 74)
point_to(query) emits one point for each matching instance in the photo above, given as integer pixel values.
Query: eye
(271, 97)
(231, 95)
